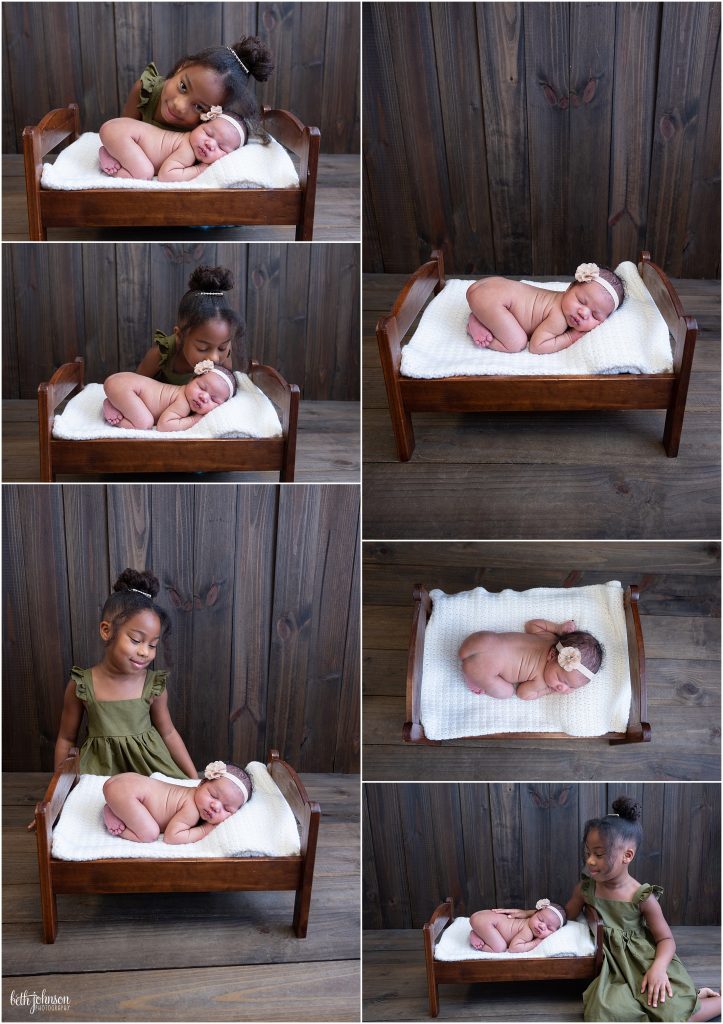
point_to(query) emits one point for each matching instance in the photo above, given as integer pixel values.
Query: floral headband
(591, 272)
(215, 112)
(217, 770)
(207, 366)
(546, 905)
(570, 658)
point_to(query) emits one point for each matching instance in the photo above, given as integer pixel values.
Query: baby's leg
(118, 139)
(123, 407)
(481, 679)
(125, 800)
(484, 929)
(489, 302)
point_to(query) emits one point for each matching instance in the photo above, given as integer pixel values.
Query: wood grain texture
(528, 839)
(556, 132)
(680, 617)
(261, 589)
(104, 302)
(315, 47)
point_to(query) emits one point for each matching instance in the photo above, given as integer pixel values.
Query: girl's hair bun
(132, 579)
(256, 56)
(211, 279)
(627, 807)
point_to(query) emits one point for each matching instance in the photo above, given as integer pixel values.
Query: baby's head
(132, 624)
(592, 297)
(211, 387)
(220, 133)
(572, 661)
(548, 917)
(224, 789)
(611, 842)
(208, 328)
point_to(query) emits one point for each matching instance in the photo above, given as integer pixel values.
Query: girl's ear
(106, 631)
(177, 332)
(628, 855)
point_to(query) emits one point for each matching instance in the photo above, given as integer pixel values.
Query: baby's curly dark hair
(240, 774)
(135, 591)
(591, 650)
(197, 308)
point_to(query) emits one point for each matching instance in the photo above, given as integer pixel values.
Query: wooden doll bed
(192, 874)
(496, 393)
(638, 730)
(179, 455)
(137, 208)
(470, 972)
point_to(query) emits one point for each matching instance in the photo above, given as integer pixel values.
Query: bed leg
(433, 998)
(390, 355)
(310, 834)
(673, 429)
(48, 901)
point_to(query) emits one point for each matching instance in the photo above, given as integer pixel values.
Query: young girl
(133, 149)
(129, 726)
(549, 657)
(496, 932)
(215, 77)
(139, 808)
(137, 403)
(207, 328)
(506, 315)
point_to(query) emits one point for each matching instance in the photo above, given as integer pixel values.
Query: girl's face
(189, 93)
(131, 646)
(205, 393)
(586, 305)
(217, 800)
(211, 340)
(605, 860)
(544, 923)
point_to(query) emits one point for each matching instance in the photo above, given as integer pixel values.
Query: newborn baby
(507, 314)
(134, 149)
(547, 658)
(137, 402)
(495, 932)
(139, 808)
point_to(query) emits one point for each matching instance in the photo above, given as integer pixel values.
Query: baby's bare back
(510, 927)
(516, 657)
(156, 395)
(531, 305)
(163, 799)
(158, 144)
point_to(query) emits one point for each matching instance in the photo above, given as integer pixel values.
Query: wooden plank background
(491, 845)
(525, 138)
(262, 589)
(58, 53)
(104, 301)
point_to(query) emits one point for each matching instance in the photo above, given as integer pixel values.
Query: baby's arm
(181, 165)
(545, 626)
(176, 416)
(182, 827)
(523, 942)
(532, 689)
(544, 339)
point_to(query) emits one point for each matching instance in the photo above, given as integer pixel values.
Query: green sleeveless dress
(151, 88)
(121, 737)
(167, 344)
(628, 952)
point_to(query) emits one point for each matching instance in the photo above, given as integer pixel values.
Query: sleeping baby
(548, 657)
(139, 808)
(506, 315)
(494, 932)
(136, 402)
(134, 149)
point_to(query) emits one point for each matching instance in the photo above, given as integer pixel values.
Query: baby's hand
(568, 627)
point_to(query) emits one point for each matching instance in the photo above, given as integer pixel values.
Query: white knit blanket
(248, 414)
(573, 939)
(252, 166)
(449, 710)
(634, 339)
(264, 827)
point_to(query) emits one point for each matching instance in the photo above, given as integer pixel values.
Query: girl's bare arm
(574, 905)
(130, 108)
(161, 718)
(70, 719)
(150, 364)
(176, 416)
(655, 980)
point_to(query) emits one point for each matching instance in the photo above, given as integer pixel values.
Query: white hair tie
(591, 272)
(546, 905)
(217, 770)
(570, 658)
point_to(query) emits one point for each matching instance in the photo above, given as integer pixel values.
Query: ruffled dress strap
(168, 345)
(644, 892)
(155, 684)
(83, 683)
(150, 93)
(586, 886)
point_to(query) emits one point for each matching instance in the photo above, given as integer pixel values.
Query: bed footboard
(285, 397)
(46, 813)
(66, 379)
(304, 141)
(39, 139)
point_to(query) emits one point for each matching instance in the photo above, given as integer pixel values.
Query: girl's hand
(512, 912)
(657, 983)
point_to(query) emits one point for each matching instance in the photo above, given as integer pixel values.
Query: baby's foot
(108, 163)
(475, 941)
(111, 414)
(472, 687)
(112, 822)
(480, 335)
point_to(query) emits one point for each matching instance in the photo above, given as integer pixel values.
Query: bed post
(46, 811)
(413, 731)
(39, 139)
(289, 426)
(308, 166)
(431, 930)
(638, 730)
(390, 353)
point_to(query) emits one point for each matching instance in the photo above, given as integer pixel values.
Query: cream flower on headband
(587, 272)
(214, 770)
(210, 114)
(541, 904)
(205, 366)
(569, 658)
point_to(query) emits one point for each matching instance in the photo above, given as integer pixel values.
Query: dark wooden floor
(192, 956)
(395, 982)
(336, 214)
(327, 449)
(552, 475)
(680, 616)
